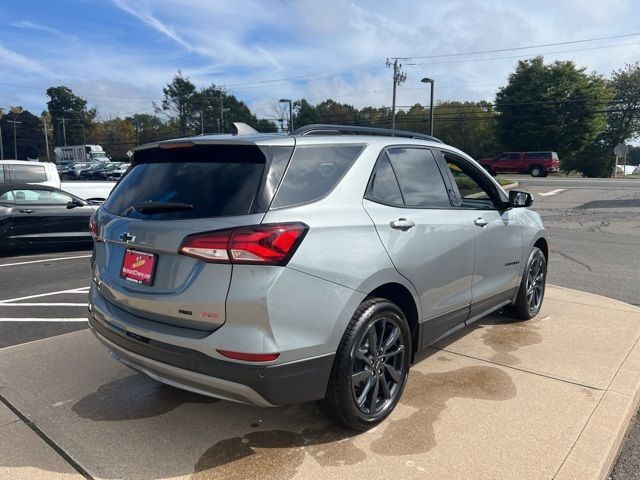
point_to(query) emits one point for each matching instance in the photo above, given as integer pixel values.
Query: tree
(29, 135)
(623, 122)
(117, 137)
(180, 103)
(304, 113)
(634, 156)
(149, 128)
(470, 126)
(65, 106)
(555, 107)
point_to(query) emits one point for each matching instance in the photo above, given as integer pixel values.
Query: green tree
(304, 113)
(65, 106)
(29, 135)
(116, 135)
(470, 126)
(634, 155)
(623, 122)
(180, 102)
(149, 127)
(551, 107)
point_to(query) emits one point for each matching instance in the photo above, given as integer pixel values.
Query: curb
(509, 186)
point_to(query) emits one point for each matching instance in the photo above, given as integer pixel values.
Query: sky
(118, 54)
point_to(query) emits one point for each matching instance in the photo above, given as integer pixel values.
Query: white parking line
(82, 319)
(73, 290)
(44, 260)
(3, 304)
(552, 192)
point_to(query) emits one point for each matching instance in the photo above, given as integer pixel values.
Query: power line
(527, 47)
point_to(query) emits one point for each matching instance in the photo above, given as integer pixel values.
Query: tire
(527, 305)
(356, 394)
(536, 171)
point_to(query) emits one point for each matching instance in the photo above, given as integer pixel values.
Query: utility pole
(64, 130)
(15, 145)
(221, 114)
(202, 122)
(399, 77)
(46, 139)
(1, 141)
(137, 131)
(84, 139)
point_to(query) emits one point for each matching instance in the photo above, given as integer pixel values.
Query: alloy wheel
(378, 366)
(535, 283)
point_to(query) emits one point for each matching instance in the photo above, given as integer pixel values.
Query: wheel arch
(543, 245)
(404, 299)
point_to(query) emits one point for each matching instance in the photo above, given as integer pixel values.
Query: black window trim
(498, 195)
(445, 179)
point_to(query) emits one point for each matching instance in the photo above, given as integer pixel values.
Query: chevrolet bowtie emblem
(127, 237)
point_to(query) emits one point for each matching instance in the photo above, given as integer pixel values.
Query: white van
(20, 171)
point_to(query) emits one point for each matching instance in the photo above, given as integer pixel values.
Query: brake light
(268, 244)
(249, 357)
(93, 228)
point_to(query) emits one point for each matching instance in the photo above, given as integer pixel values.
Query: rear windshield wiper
(156, 207)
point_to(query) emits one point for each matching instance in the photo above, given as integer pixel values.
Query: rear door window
(313, 172)
(530, 155)
(216, 180)
(27, 173)
(421, 183)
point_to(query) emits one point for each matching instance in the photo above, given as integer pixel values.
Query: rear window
(218, 180)
(27, 173)
(313, 172)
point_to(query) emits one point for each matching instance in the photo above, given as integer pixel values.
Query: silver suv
(278, 269)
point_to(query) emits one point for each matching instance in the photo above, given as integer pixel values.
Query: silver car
(278, 269)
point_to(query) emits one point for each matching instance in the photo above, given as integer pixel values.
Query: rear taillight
(93, 228)
(269, 244)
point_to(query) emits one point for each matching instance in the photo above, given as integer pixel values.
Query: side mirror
(520, 199)
(75, 203)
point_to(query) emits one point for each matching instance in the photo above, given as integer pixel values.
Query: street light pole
(432, 83)
(288, 100)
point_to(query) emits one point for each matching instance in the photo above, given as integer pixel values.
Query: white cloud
(245, 43)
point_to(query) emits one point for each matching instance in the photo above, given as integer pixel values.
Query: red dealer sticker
(138, 267)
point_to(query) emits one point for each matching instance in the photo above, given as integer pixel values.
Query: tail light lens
(269, 244)
(93, 228)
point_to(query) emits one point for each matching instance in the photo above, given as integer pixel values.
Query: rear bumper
(260, 385)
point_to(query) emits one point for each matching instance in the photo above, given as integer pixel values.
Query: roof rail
(327, 129)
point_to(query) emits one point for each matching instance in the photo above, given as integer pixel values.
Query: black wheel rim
(535, 283)
(378, 367)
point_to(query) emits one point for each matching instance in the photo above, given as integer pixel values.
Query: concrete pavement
(548, 398)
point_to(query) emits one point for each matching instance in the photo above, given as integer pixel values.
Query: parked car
(39, 214)
(278, 269)
(20, 171)
(75, 170)
(118, 172)
(538, 164)
(103, 173)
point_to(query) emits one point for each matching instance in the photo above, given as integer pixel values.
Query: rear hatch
(170, 192)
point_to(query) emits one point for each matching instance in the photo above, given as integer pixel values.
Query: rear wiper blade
(154, 207)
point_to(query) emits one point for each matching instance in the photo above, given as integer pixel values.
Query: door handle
(480, 222)
(402, 224)
(25, 210)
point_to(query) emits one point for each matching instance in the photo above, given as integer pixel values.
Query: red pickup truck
(538, 164)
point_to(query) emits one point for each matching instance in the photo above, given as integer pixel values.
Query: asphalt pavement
(595, 242)
(594, 226)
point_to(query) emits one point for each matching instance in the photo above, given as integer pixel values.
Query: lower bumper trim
(262, 385)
